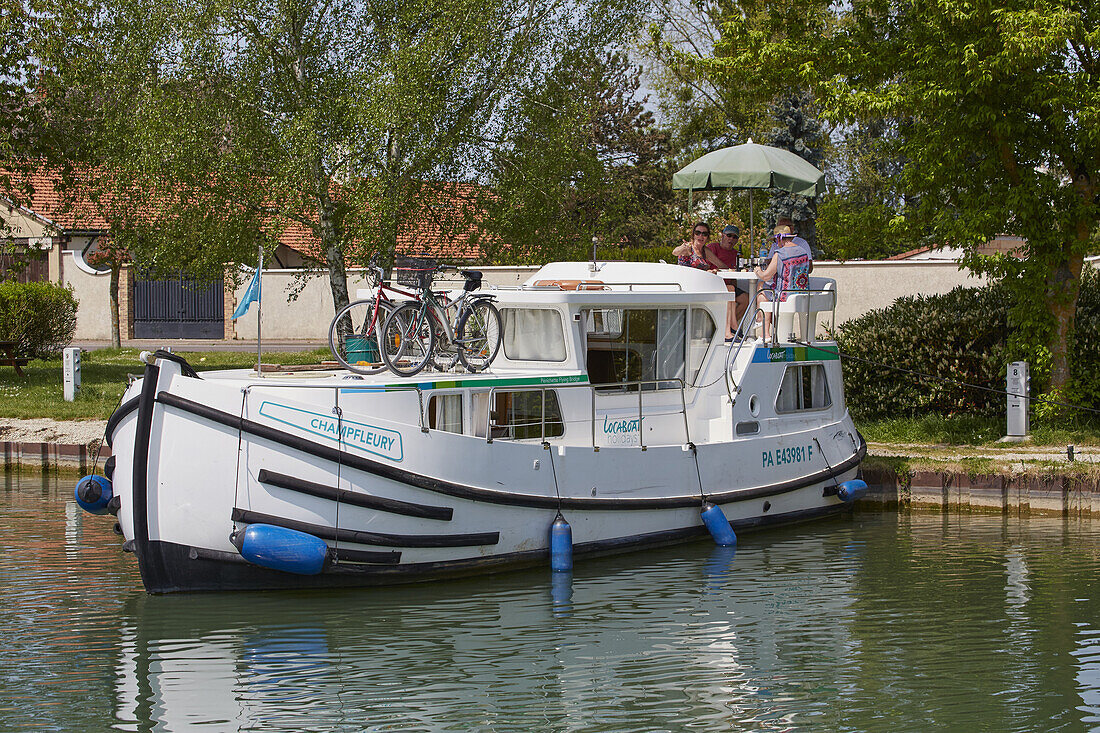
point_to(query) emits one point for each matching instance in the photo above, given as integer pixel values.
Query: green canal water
(880, 622)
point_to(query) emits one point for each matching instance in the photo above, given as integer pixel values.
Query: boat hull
(196, 461)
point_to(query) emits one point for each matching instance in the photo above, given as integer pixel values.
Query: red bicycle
(354, 333)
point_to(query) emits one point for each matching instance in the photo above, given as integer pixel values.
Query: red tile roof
(443, 230)
(40, 193)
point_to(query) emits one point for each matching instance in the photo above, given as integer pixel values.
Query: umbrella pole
(752, 228)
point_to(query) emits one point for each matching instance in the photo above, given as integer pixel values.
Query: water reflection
(874, 622)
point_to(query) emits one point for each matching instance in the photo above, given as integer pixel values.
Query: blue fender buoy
(93, 493)
(282, 549)
(561, 545)
(849, 491)
(717, 524)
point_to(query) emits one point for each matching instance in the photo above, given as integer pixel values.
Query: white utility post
(1018, 383)
(71, 373)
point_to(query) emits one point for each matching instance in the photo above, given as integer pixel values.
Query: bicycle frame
(380, 295)
(438, 311)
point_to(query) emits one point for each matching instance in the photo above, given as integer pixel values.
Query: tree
(350, 113)
(706, 107)
(798, 130)
(1000, 102)
(587, 160)
(866, 214)
(349, 118)
(131, 145)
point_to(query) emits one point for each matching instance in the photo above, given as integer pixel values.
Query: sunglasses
(701, 233)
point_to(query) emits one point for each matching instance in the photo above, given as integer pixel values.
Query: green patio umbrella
(750, 166)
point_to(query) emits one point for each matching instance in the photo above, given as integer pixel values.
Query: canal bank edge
(1037, 489)
(892, 483)
(52, 456)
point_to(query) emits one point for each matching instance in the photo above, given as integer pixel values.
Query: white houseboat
(614, 404)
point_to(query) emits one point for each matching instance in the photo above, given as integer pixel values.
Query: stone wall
(1062, 494)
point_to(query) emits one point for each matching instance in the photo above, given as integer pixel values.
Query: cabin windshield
(625, 345)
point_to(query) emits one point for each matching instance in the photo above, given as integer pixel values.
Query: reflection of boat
(470, 655)
(614, 402)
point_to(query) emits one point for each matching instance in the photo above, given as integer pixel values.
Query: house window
(445, 412)
(533, 334)
(804, 387)
(636, 345)
(526, 415)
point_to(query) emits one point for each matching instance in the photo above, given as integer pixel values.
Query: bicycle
(353, 335)
(420, 331)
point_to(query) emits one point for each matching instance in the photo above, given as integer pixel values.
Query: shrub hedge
(1084, 387)
(39, 317)
(962, 334)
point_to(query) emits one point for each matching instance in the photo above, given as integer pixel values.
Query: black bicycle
(421, 331)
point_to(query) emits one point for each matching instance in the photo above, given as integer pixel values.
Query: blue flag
(251, 294)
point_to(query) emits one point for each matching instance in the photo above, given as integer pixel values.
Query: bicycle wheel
(353, 336)
(479, 332)
(445, 353)
(407, 340)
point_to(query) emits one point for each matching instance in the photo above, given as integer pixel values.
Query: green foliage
(959, 429)
(797, 129)
(962, 335)
(1084, 385)
(587, 160)
(994, 107)
(39, 317)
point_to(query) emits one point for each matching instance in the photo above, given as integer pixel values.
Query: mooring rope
(925, 375)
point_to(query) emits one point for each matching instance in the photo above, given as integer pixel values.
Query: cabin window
(626, 346)
(445, 412)
(804, 387)
(525, 415)
(533, 334)
(702, 333)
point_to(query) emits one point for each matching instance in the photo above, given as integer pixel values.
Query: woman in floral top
(694, 253)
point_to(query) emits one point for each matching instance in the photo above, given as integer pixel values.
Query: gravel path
(45, 430)
(1011, 452)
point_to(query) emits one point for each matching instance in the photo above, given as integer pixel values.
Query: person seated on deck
(728, 254)
(788, 270)
(694, 252)
(799, 241)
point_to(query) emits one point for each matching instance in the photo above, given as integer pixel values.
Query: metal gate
(177, 308)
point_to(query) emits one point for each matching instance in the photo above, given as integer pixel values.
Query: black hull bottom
(167, 567)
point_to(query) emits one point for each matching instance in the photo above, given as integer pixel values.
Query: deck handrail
(247, 388)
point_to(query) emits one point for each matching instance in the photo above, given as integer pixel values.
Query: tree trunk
(116, 337)
(330, 244)
(1064, 287)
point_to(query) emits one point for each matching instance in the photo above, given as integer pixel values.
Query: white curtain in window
(447, 412)
(671, 332)
(533, 334)
(702, 332)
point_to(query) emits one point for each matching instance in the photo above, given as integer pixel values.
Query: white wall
(868, 285)
(93, 293)
(309, 316)
(862, 286)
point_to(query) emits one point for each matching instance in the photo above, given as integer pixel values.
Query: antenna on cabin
(594, 267)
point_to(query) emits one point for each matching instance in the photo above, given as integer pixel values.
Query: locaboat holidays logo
(622, 432)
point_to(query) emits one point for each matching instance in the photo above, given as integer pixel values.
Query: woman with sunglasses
(694, 253)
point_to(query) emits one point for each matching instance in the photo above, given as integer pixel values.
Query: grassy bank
(970, 430)
(104, 375)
